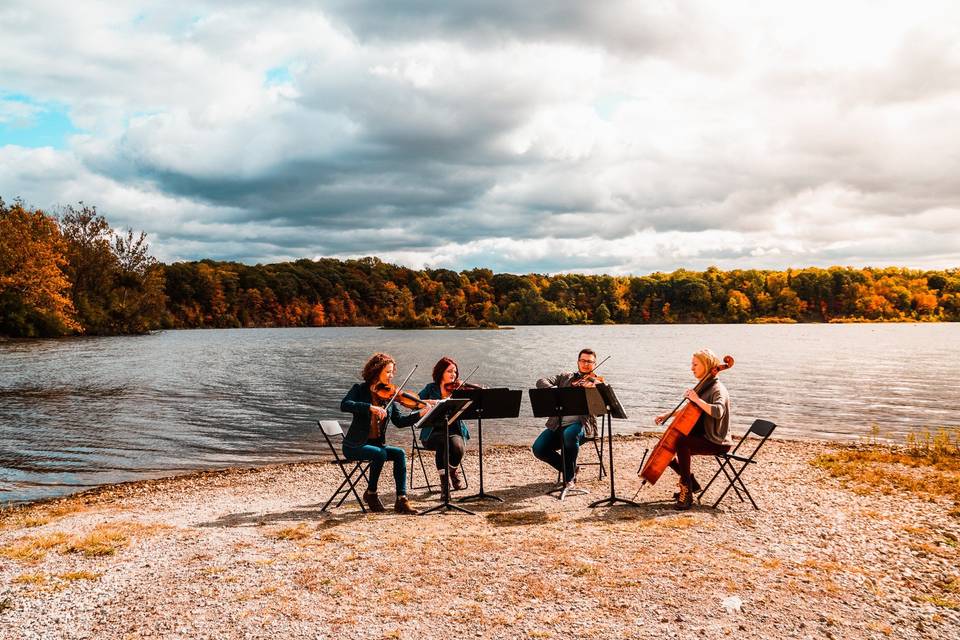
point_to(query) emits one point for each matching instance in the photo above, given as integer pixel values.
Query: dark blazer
(432, 392)
(357, 401)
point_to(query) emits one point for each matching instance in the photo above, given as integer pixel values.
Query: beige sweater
(716, 422)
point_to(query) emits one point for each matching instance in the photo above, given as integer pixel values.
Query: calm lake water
(82, 412)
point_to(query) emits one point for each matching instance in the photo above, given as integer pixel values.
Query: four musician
(445, 374)
(571, 431)
(710, 435)
(369, 415)
(364, 438)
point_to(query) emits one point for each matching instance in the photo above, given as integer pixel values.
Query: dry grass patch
(298, 532)
(33, 548)
(927, 466)
(25, 517)
(103, 540)
(30, 578)
(72, 576)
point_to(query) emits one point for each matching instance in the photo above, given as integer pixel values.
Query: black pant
(457, 447)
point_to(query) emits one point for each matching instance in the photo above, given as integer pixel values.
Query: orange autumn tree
(34, 290)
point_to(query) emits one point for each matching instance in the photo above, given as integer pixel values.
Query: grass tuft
(298, 532)
(72, 576)
(33, 548)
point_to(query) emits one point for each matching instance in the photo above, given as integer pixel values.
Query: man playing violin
(364, 439)
(710, 435)
(572, 430)
(445, 381)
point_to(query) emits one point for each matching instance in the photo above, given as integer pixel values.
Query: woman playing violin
(710, 435)
(446, 375)
(364, 439)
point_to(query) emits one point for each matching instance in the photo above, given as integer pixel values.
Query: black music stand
(490, 404)
(444, 413)
(566, 401)
(614, 410)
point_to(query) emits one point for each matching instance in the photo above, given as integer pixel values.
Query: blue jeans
(377, 456)
(547, 448)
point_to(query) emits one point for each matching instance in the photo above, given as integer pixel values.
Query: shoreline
(187, 475)
(247, 553)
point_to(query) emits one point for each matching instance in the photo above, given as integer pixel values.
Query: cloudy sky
(613, 136)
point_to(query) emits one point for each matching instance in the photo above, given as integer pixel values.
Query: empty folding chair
(733, 463)
(353, 470)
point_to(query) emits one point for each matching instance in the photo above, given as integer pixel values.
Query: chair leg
(736, 478)
(346, 487)
(353, 485)
(417, 452)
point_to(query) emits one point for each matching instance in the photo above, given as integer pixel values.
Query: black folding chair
(331, 429)
(729, 462)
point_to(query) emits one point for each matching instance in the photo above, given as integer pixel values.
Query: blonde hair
(707, 358)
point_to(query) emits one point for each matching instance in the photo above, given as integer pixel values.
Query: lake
(81, 412)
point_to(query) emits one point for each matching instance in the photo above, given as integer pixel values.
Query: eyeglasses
(584, 360)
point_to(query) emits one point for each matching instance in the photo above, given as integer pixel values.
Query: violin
(450, 387)
(407, 399)
(388, 394)
(682, 424)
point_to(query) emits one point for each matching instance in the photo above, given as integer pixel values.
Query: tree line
(72, 273)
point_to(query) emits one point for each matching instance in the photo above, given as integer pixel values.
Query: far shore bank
(248, 553)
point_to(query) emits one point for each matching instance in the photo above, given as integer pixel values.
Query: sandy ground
(250, 554)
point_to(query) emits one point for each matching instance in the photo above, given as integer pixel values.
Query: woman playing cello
(710, 435)
(445, 380)
(368, 401)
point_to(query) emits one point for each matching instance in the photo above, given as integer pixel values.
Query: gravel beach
(247, 553)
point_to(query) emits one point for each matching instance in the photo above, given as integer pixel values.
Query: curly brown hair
(376, 363)
(441, 367)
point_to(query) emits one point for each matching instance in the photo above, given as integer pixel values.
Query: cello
(682, 424)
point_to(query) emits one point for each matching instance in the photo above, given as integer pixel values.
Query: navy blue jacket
(432, 392)
(357, 401)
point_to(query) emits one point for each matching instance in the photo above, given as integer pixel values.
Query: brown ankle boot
(456, 479)
(402, 505)
(684, 498)
(373, 501)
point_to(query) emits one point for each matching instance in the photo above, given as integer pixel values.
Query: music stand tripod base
(488, 403)
(445, 504)
(613, 408)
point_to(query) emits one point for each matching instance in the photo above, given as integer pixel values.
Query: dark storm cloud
(630, 27)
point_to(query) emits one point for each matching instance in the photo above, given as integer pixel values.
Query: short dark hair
(376, 363)
(441, 366)
(589, 352)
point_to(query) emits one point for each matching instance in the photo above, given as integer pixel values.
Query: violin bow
(592, 371)
(464, 381)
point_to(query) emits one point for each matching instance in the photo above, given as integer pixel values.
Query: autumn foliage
(330, 292)
(75, 274)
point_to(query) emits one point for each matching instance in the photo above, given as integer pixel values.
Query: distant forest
(72, 274)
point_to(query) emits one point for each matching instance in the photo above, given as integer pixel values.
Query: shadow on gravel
(253, 519)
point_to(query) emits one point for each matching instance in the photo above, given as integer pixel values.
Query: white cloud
(626, 137)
